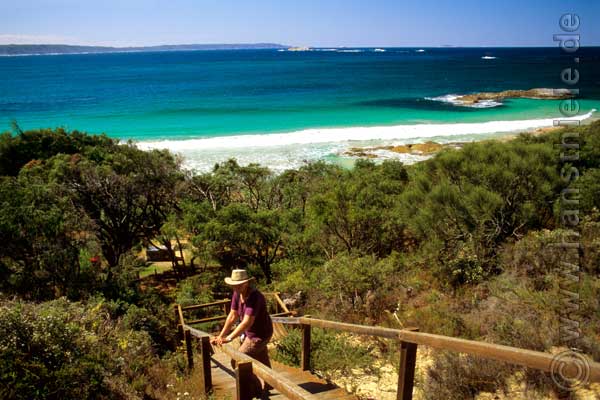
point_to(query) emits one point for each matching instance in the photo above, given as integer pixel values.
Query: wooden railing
(245, 365)
(225, 305)
(409, 339)
(281, 309)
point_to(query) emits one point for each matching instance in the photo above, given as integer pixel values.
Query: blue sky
(322, 23)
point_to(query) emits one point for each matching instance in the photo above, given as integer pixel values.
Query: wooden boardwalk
(223, 378)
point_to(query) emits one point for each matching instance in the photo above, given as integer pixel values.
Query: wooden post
(406, 370)
(188, 349)
(206, 373)
(305, 360)
(243, 380)
(179, 326)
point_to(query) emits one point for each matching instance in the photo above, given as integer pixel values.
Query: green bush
(462, 270)
(44, 353)
(481, 196)
(65, 350)
(459, 377)
(358, 286)
(330, 352)
(291, 275)
(141, 319)
(123, 284)
(193, 290)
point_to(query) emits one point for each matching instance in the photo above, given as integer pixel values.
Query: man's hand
(219, 340)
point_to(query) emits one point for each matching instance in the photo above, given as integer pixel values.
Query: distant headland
(40, 49)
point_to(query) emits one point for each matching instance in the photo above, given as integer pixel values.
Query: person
(249, 305)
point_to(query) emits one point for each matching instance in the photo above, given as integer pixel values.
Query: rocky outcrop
(424, 149)
(539, 93)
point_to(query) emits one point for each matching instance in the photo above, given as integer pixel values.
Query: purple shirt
(255, 306)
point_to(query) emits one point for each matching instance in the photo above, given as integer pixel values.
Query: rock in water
(538, 93)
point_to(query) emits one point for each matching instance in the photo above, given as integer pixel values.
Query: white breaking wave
(334, 135)
(453, 99)
(280, 151)
(488, 58)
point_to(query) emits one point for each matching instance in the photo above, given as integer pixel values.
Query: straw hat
(238, 276)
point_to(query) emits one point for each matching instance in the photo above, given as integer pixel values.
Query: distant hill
(23, 49)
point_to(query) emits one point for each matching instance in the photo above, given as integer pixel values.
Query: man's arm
(233, 315)
(246, 323)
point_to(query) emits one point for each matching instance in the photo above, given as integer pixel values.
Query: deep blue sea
(282, 108)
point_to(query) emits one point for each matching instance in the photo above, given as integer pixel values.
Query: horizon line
(289, 46)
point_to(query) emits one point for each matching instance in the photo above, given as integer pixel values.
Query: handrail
(527, 358)
(353, 328)
(207, 319)
(286, 320)
(273, 378)
(197, 332)
(199, 306)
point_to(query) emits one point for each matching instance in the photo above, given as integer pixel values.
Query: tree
(238, 215)
(356, 210)
(42, 236)
(239, 235)
(127, 193)
(41, 144)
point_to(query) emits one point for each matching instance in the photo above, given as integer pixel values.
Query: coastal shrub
(590, 235)
(240, 235)
(435, 314)
(538, 256)
(123, 284)
(514, 312)
(141, 319)
(330, 351)
(462, 270)
(589, 191)
(357, 286)
(20, 147)
(293, 275)
(355, 212)
(193, 290)
(200, 289)
(480, 197)
(65, 350)
(457, 376)
(44, 353)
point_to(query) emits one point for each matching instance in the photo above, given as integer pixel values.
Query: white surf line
(336, 135)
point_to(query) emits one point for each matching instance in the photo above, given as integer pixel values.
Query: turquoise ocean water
(282, 108)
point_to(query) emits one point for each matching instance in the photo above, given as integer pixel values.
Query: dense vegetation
(461, 244)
